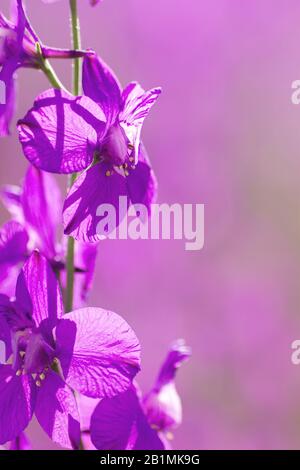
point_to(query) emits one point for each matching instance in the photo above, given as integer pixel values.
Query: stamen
(130, 146)
(126, 173)
(38, 383)
(33, 376)
(133, 167)
(55, 360)
(22, 353)
(19, 372)
(107, 173)
(131, 159)
(42, 376)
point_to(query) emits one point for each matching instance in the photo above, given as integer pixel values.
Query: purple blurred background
(224, 133)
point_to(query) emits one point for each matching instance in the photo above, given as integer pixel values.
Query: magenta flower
(12, 55)
(99, 133)
(18, 49)
(162, 404)
(36, 206)
(36, 212)
(89, 350)
(129, 422)
(13, 252)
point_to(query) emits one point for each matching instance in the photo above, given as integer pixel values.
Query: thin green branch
(76, 91)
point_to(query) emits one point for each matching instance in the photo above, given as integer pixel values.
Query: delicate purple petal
(10, 56)
(7, 95)
(98, 351)
(102, 86)
(114, 148)
(164, 409)
(8, 279)
(57, 413)
(90, 190)
(5, 331)
(178, 353)
(38, 292)
(60, 133)
(85, 262)
(21, 442)
(136, 106)
(41, 201)
(16, 404)
(39, 354)
(13, 243)
(120, 424)
(11, 198)
(141, 182)
(163, 404)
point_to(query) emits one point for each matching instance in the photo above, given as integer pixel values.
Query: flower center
(33, 355)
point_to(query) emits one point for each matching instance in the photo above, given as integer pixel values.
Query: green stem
(51, 75)
(76, 91)
(76, 45)
(48, 70)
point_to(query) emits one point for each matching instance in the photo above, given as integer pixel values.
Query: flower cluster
(71, 365)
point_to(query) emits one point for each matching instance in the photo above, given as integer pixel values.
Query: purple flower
(18, 48)
(89, 350)
(133, 423)
(100, 133)
(163, 405)
(36, 215)
(12, 55)
(13, 252)
(36, 212)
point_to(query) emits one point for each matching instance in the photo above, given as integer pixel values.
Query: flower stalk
(48, 70)
(76, 91)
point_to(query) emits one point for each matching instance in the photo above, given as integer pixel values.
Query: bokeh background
(224, 133)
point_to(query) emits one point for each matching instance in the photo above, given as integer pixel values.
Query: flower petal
(13, 252)
(38, 292)
(85, 262)
(141, 182)
(98, 351)
(14, 32)
(163, 404)
(60, 133)
(120, 424)
(41, 201)
(57, 412)
(17, 400)
(136, 106)
(5, 331)
(101, 85)
(13, 243)
(178, 353)
(90, 190)
(11, 198)
(7, 95)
